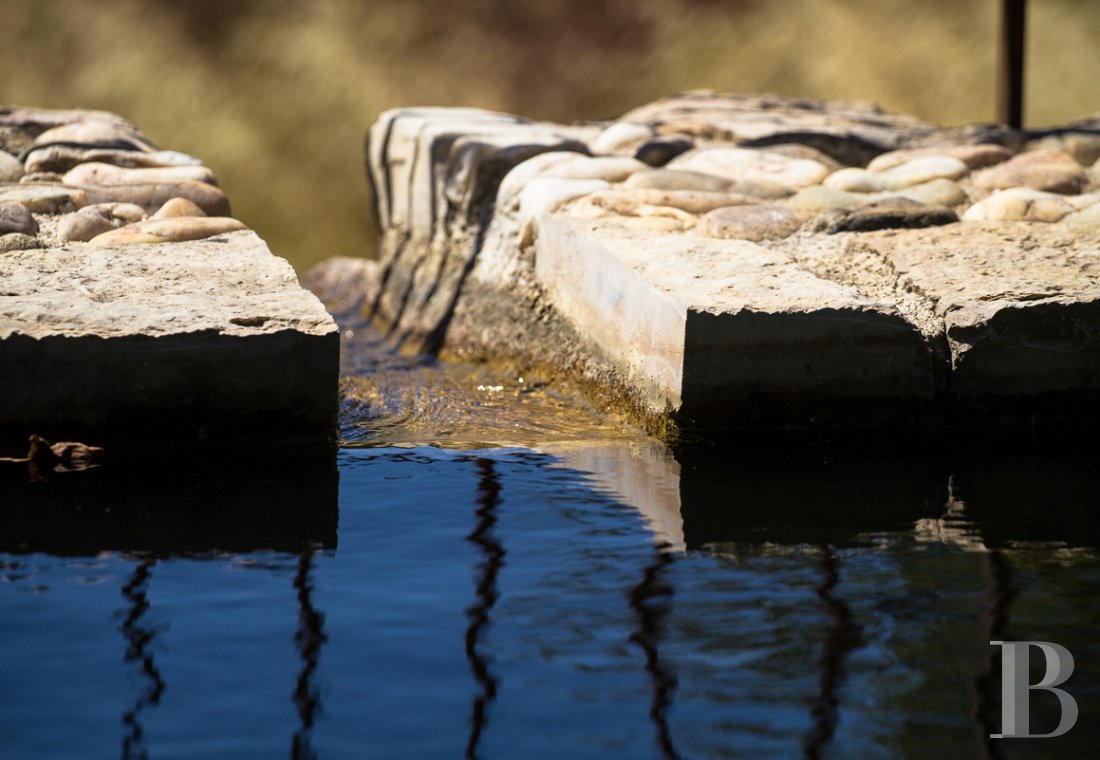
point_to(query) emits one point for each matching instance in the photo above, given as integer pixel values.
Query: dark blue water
(501, 603)
(577, 597)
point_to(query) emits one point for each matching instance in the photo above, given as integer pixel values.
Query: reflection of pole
(138, 639)
(1000, 591)
(1010, 63)
(844, 636)
(308, 639)
(488, 499)
(649, 600)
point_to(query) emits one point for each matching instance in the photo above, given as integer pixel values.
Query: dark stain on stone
(848, 150)
(886, 215)
(660, 150)
(249, 321)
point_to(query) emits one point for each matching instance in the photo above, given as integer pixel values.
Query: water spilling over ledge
(719, 262)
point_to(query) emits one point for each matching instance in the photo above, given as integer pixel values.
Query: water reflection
(843, 635)
(651, 602)
(952, 528)
(944, 529)
(1000, 592)
(695, 497)
(139, 638)
(644, 474)
(173, 506)
(308, 639)
(752, 606)
(486, 593)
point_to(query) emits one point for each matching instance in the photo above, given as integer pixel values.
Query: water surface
(540, 582)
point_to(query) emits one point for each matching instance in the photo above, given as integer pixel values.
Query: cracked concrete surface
(1011, 302)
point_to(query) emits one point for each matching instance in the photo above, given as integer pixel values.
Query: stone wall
(730, 261)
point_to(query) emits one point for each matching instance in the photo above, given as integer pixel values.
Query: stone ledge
(208, 340)
(708, 328)
(168, 328)
(730, 261)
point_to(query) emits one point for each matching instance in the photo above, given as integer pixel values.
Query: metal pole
(1010, 63)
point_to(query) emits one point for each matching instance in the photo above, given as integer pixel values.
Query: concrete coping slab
(189, 334)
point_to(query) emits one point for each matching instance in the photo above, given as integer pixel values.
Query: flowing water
(492, 569)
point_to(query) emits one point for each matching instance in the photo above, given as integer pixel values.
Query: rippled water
(540, 583)
(401, 399)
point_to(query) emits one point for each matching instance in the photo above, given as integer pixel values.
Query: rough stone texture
(210, 341)
(1017, 305)
(706, 327)
(18, 241)
(619, 281)
(202, 338)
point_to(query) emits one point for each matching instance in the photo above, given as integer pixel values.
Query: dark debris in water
(44, 458)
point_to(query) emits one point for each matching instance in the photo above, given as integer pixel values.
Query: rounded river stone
(11, 168)
(1053, 171)
(753, 223)
(174, 230)
(178, 207)
(14, 217)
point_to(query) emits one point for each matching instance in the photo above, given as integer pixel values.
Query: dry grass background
(275, 95)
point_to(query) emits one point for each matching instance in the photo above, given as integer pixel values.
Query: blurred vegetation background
(276, 95)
